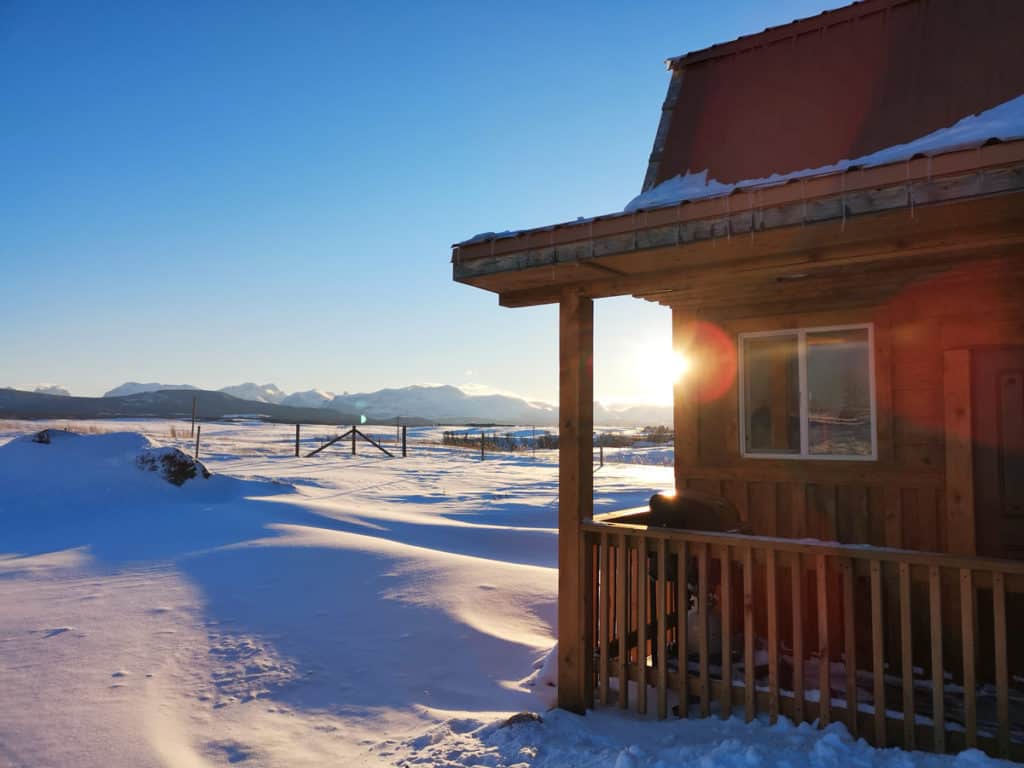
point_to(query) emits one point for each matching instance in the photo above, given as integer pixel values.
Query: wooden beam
(684, 401)
(575, 499)
(960, 525)
(526, 279)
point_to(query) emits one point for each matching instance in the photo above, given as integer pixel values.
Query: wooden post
(403, 440)
(601, 449)
(482, 437)
(296, 441)
(684, 399)
(192, 431)
(575, 498)
(353, 440)
(199, 430)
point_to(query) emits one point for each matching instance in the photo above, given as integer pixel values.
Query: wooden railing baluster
(797, 586)
(907, 653)
(749, 692)
(602, 621)
(824, 650)
(878, 653)
(725, 700)
(938, 669)
(622, 601)
(773, 636)
(970, 684)
(1001, 665)
(702, 629)
(642, 582)
(682, 628)
(662, 632)
(849, 645)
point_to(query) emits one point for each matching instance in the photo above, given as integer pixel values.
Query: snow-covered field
(334, 610)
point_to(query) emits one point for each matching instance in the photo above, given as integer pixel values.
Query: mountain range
(442, 404)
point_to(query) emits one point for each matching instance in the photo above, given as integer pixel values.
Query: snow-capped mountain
(436, 403)
(52, 389)
(135, 388)
(310, 398)
(445, 403)
(261, 393)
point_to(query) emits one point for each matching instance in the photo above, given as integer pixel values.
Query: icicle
(910, 189)
(842, 199)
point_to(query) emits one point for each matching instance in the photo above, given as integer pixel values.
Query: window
(808, 393)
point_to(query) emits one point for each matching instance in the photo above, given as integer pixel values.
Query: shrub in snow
(173, 465)
(47, 436)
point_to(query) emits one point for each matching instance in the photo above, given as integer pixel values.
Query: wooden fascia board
(648, 258)
(949, 228)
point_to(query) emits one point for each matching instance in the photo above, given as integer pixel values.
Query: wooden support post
(575, 498)
(353, 440)
(684, 400)
(483, 436)
(296, 441)
(404, 428)
(199, 430)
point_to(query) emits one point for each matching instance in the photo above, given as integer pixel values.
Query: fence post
(600, 448)
(192, 431)
(403, 440)
(482, 437)
(199, 430)
(296, 441)
(353, 440)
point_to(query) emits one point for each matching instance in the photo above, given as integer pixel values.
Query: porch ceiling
(883, 226)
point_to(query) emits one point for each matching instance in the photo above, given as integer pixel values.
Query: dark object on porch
(689, 510)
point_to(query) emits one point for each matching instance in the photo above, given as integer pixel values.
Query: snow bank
(1004, 122)
(608, 739)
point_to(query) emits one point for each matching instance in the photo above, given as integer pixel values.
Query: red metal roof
(840, 85)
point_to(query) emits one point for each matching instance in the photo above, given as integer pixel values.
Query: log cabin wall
(898, 500)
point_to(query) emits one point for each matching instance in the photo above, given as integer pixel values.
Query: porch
(918, 644)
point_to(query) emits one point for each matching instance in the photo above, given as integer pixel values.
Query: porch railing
(911, 649)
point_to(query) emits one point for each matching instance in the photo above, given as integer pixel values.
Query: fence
(906, 648)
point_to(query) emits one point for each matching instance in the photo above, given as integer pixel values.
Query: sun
(655, 370)
(676, 365)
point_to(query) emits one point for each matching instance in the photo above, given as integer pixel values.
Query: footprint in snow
(120, 673)
(57, 631)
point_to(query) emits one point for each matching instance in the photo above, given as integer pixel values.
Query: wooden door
(997, 395)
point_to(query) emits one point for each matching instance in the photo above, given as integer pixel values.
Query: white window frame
(801, 336)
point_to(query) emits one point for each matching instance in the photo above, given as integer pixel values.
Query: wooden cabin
(834, 212)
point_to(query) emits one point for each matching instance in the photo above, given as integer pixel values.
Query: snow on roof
(1001, 123)
(1004, 122)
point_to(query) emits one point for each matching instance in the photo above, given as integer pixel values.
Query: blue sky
(214, 192)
